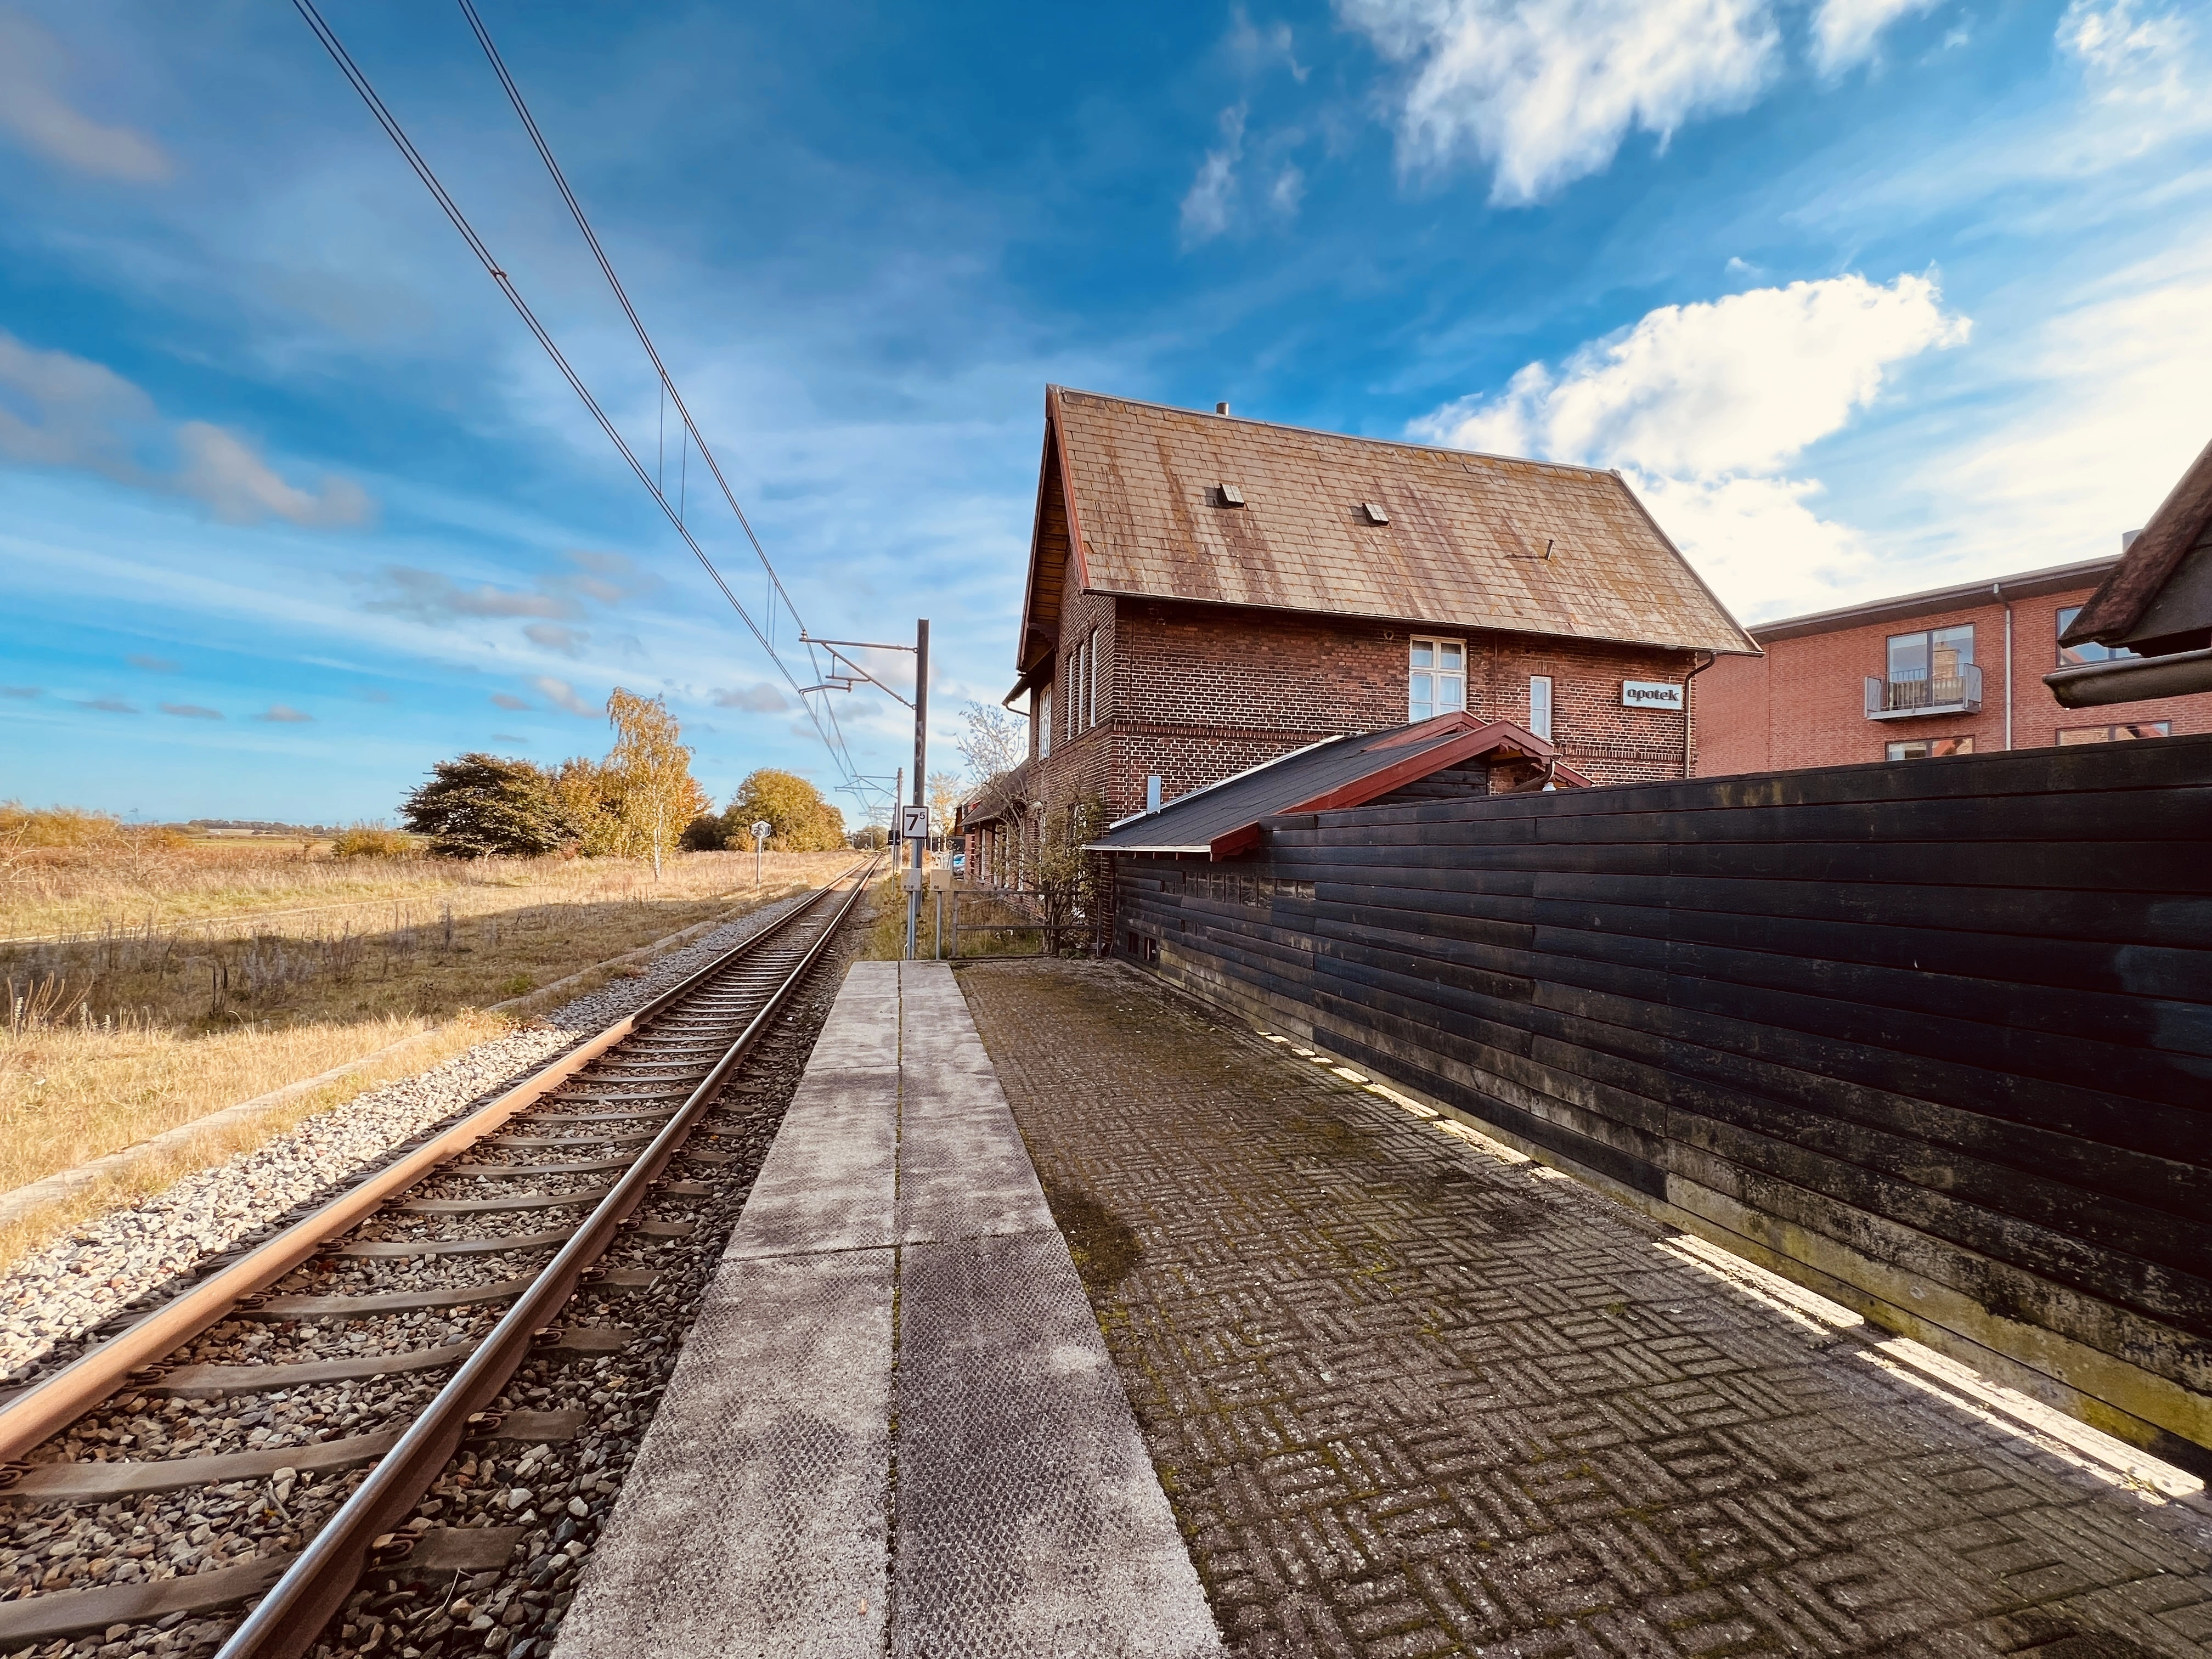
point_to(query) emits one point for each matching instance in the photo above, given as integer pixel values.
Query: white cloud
(1205, 205)
(1844, 31)
(222, 469)
(432, 596)
(279, 714)
(34, 112)
(1254, 48)
(190, 711)
(1704, 405)
(1545, 90)
(561, 695)
(568, 642)
(61, 411)
(1757, 542)
(2104, 404)
(2129, 58)
(762, 699)
(609, 578)
(57, 409)
(1740, 384)
(509, 701)
(1288, 191)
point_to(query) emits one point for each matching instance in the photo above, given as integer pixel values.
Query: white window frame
(1044, 722)
(1435, 675)
(1542, 701)
(1090, 663)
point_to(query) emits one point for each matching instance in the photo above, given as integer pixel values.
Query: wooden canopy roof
(1223, 819)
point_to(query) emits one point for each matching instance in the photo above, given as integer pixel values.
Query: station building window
(2091, 652)
(1044, 722)
(1930, 748)
(2073, 734)
(1540, 706)
(1435, 682)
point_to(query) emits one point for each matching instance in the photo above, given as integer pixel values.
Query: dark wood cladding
(1951, 1018)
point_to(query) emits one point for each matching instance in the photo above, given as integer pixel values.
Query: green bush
(481, 804)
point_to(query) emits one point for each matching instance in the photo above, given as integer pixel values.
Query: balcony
(1946, 693)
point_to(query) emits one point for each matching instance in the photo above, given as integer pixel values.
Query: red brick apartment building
(1206, 592)
(1953, 670)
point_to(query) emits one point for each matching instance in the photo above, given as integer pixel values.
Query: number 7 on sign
(914, 823)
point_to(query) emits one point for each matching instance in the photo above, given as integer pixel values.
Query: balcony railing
(1938, 693)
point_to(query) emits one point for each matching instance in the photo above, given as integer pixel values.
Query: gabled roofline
(1057, 443)
(2024, 585)
(2157, 551)
(1055, 458)
(1704, 586)
(1339, 437)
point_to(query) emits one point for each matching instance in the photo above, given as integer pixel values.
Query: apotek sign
(1650, 693)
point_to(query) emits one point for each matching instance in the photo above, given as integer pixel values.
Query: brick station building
(1206, 592)
(1953, 670)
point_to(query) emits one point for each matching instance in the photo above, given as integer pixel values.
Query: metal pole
(921, 763)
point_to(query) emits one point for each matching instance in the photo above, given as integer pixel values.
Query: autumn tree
(587, 792)
(479, 805)
(799, 819)
(648, 777)
(944, 794)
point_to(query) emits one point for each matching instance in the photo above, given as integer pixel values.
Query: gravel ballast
(52, 1300)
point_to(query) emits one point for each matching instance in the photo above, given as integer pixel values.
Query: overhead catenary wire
(354, 76)
(644, 338)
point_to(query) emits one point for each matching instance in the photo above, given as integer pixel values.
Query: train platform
(1412, 1393)
(896, 1427)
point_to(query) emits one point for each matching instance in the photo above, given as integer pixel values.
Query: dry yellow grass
(112, 1038)
(72, 1096)
(82, 891)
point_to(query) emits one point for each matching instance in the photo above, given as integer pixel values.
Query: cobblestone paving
(1409, 1397)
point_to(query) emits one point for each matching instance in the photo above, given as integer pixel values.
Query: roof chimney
(2128, 539)
(1221, 408)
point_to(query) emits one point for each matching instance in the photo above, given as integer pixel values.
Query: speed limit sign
(914, 823)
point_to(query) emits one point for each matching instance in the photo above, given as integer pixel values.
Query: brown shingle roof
(1464, 546)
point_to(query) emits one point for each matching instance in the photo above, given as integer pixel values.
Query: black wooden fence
(1933, 1038)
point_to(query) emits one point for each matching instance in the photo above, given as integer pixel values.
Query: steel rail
(53, 1405)
(286, 1622)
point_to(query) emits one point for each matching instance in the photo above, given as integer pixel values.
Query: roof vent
(1229, 494)
(1375, 512)
(1221, 408)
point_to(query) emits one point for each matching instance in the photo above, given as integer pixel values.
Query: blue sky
(1862, 295)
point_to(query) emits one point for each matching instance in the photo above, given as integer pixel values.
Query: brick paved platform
(1411, 1394)
(894, 1429)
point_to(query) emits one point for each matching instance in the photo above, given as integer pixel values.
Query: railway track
(224, 1432)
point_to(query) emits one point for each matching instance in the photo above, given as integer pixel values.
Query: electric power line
(644, 336)
(838, 751)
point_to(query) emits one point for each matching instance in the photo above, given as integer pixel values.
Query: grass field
(191, 979)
